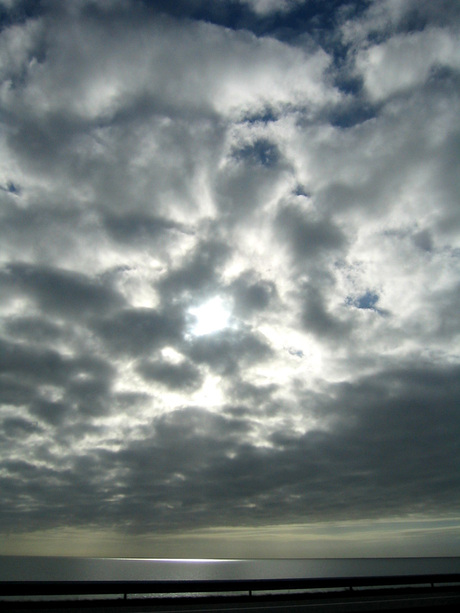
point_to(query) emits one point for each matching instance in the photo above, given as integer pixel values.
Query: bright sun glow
(210, 317)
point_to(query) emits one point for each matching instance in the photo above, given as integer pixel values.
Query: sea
(36, 568)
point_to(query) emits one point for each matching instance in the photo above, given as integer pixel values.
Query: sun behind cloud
(210, 316)
(229, 276)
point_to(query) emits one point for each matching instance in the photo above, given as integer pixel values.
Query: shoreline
(445, 597)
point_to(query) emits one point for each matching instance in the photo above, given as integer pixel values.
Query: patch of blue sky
(18, 12)
(266, 115)
(261, 152)
(301, 190)
(315, 17)
(347, 117)
(11, 188)
(366, 301)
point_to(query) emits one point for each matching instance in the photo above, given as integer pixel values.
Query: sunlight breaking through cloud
(229, 251)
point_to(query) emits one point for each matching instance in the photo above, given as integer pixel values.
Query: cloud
(251, 294)
(16, 426)
(194, 465)
(228, 351)
(406, 60)
(63, 292)
(265, 7)
(308, 237)
(294, 164)
(382, 19)
(139, 228)
(138, 331)
(199, 270)
(109, 81)
(33, 328)
(47, 366)
(173, 376)
(317, 319)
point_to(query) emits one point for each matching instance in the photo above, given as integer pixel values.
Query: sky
(230, 278)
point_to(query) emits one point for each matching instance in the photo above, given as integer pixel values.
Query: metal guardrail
(62, 588)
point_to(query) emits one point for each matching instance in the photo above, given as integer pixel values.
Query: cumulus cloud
(183, 375)
(405, 61)
(294, 167)
(264, 7)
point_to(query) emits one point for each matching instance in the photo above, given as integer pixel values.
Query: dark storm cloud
(251, 294)
(228, 351)
(135, 228)
(19, 427)
(257, 396)
(423, 240)
(370, 460)
(199, 271)
(318, 319)
(29, 362)
(35, 329)
(197, 468)
(44, 228)
(49, 485)
(446, 317)
(43, 142)
(63, 292)
(139, 496)
(138, 331)
(14, 391)
(174, 376)
(49, 411)
(83, 381)
(308, 237)
(91, 396)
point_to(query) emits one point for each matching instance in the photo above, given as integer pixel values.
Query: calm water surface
(19, 568)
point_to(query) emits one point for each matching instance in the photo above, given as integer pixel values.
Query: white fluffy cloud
(266, 7)
(406, 61)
